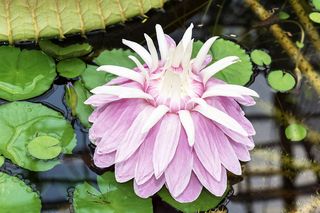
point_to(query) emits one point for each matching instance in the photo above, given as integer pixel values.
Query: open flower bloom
(169, 122)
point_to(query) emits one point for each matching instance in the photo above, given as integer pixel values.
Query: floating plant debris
(71, 51)
(24, 125)
(111, 197)
(16, 196)
(239, 73)
(296, 132)
(71, 68)
(283, 15)
(24, 73)
(260, 57)
(281, 81)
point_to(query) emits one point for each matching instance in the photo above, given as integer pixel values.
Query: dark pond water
(271, 182)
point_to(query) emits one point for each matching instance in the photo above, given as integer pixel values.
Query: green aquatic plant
(16, 196)
(24, 73)
(204, 202)
(260, 57)
(239, 73)
(70, 51)
(2, 159)
(112, 197)
(296, 132)
(75, 98)
(281, 81)
(24, 125)
(34, 19)
(71, 68)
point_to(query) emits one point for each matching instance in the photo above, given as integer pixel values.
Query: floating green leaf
(283, 15)
(71, 51)
(296, 132)
(22, 123)
(315, 17)
(113, 197)
(16, 196)
(24, 73)
(281, 81)
(205, 201)
(238, 73)
(117, 57)
(2, 159)
(260, 57)
(71, 68)
(44, 147)
(299, 44)
(79, 109)
(316, 4)
(91, 78)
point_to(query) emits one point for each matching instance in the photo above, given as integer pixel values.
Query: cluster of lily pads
(315, 15)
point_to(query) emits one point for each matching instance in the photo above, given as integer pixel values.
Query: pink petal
(178, 176)
(124, 171)
(144, 167)
(215, 187)
(133, 137)
(104, 160)
(166, 143)
(205, 146)
(241, 151)
(113, 123)
(202, 54)
(150, 187)
(101, 100)
(192, 191)
(226, 153)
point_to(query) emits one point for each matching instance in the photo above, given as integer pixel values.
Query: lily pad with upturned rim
(24, 74)
(22, 122)
(16, 196)
(315, 17)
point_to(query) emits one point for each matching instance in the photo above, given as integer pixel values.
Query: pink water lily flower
(169, 122)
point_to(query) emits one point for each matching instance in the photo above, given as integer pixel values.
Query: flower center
(174, 88)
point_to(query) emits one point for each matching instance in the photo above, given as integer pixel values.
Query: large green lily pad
(204, 202)
(75, 97)
(24, 122)
(238, 73)
(24, 73)
(16, 196)
(112, 197)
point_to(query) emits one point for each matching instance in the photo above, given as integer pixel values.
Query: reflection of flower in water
(168, 122)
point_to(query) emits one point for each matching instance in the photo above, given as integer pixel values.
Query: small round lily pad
(71, 68)
(260, 57)
(281, 81)
(296, 132)
(44, 147)
(315, 17)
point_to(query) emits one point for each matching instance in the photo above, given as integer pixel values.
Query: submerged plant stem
(286, 43)
(307, 24)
